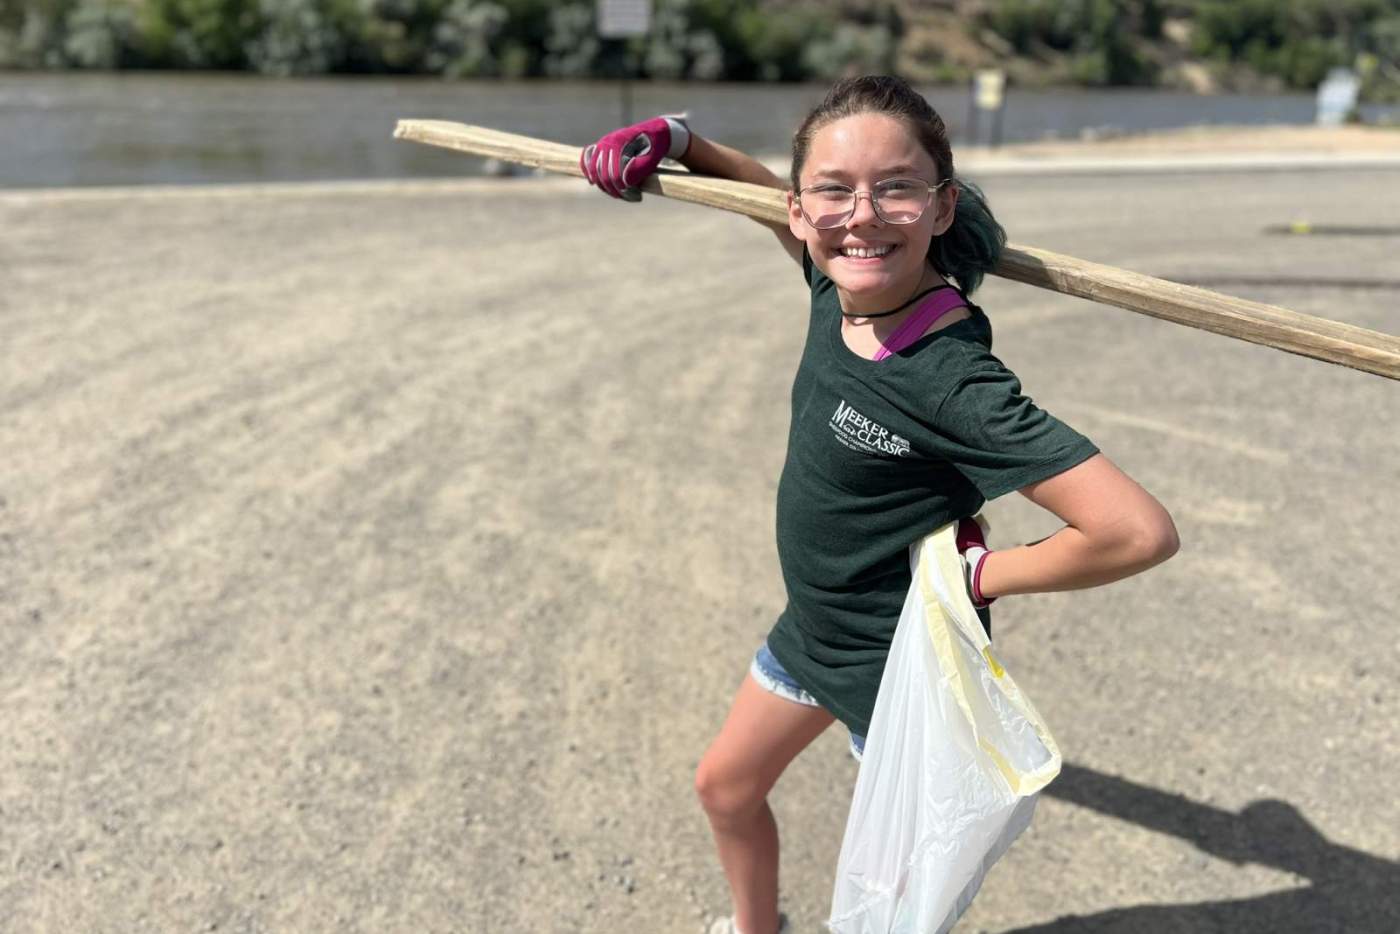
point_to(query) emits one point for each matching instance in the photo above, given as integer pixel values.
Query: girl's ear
(947, 204)
(797, 224)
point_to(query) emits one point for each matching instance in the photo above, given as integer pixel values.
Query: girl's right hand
(624, 158)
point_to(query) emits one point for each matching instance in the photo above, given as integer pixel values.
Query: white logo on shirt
(859, 433)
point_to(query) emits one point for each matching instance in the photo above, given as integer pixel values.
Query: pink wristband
(977, 597)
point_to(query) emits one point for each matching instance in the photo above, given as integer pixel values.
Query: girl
(902, 421)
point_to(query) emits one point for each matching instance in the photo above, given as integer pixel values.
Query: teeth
(866, 252)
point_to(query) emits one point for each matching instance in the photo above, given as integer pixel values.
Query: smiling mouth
(868, 254)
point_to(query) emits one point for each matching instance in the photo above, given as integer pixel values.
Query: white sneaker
(727, 926)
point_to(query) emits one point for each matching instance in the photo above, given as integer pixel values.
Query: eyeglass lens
(897, 201)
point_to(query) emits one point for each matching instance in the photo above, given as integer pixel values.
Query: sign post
(988, 93)
(623, 19)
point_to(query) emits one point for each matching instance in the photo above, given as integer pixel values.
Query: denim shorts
(773, 678)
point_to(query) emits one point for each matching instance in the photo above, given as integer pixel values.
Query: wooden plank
(1256, 322)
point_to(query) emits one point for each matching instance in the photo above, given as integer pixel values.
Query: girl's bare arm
(710, 158)
(1115, 529)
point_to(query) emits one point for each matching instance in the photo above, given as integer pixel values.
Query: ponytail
(971, 246)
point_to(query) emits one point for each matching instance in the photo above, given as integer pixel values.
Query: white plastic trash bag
(952, 764)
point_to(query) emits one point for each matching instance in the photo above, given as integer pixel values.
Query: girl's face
(860, 152)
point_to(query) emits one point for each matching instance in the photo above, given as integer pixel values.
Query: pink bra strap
(930, 310)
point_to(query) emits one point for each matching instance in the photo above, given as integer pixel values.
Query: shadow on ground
(1350, 890)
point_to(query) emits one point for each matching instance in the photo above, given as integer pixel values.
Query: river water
(169, 128)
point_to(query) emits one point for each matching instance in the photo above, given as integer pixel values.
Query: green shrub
(573, 46)
(776, 42)
(1102, 42)
(1102, 35)
(1296, 41)
(664, 48)
(297, 37)
(100, 34)
(851, 49)
(32, 34)
(1028, 24)
(392, 35)
(198, 33)
(464, 41)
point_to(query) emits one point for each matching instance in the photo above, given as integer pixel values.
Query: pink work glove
(972, 545)
(620, 161)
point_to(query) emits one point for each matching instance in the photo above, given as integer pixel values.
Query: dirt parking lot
(370, 560)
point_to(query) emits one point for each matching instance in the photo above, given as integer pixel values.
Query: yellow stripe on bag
(955, 670)
(938, 553)
(940, 634)
(992, 662)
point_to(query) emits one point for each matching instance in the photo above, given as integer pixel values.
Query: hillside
(1204, 46)
(1200, 45)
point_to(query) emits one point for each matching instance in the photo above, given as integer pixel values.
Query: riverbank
(1195, 149)
(80, 130)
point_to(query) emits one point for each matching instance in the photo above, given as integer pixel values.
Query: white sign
(620, 19)
(1336, 96)
(990, 84)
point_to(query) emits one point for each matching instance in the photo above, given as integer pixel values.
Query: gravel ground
(370, 560)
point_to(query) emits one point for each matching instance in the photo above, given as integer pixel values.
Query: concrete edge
(1215, 162)
(240, 190)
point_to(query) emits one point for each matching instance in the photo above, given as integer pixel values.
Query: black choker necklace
(895, 311)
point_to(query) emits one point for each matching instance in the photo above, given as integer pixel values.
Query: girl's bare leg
(761, 735)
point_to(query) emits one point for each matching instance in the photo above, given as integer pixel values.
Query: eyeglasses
(896, 201)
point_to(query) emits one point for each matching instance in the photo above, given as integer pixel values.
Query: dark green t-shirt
(879, 455)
